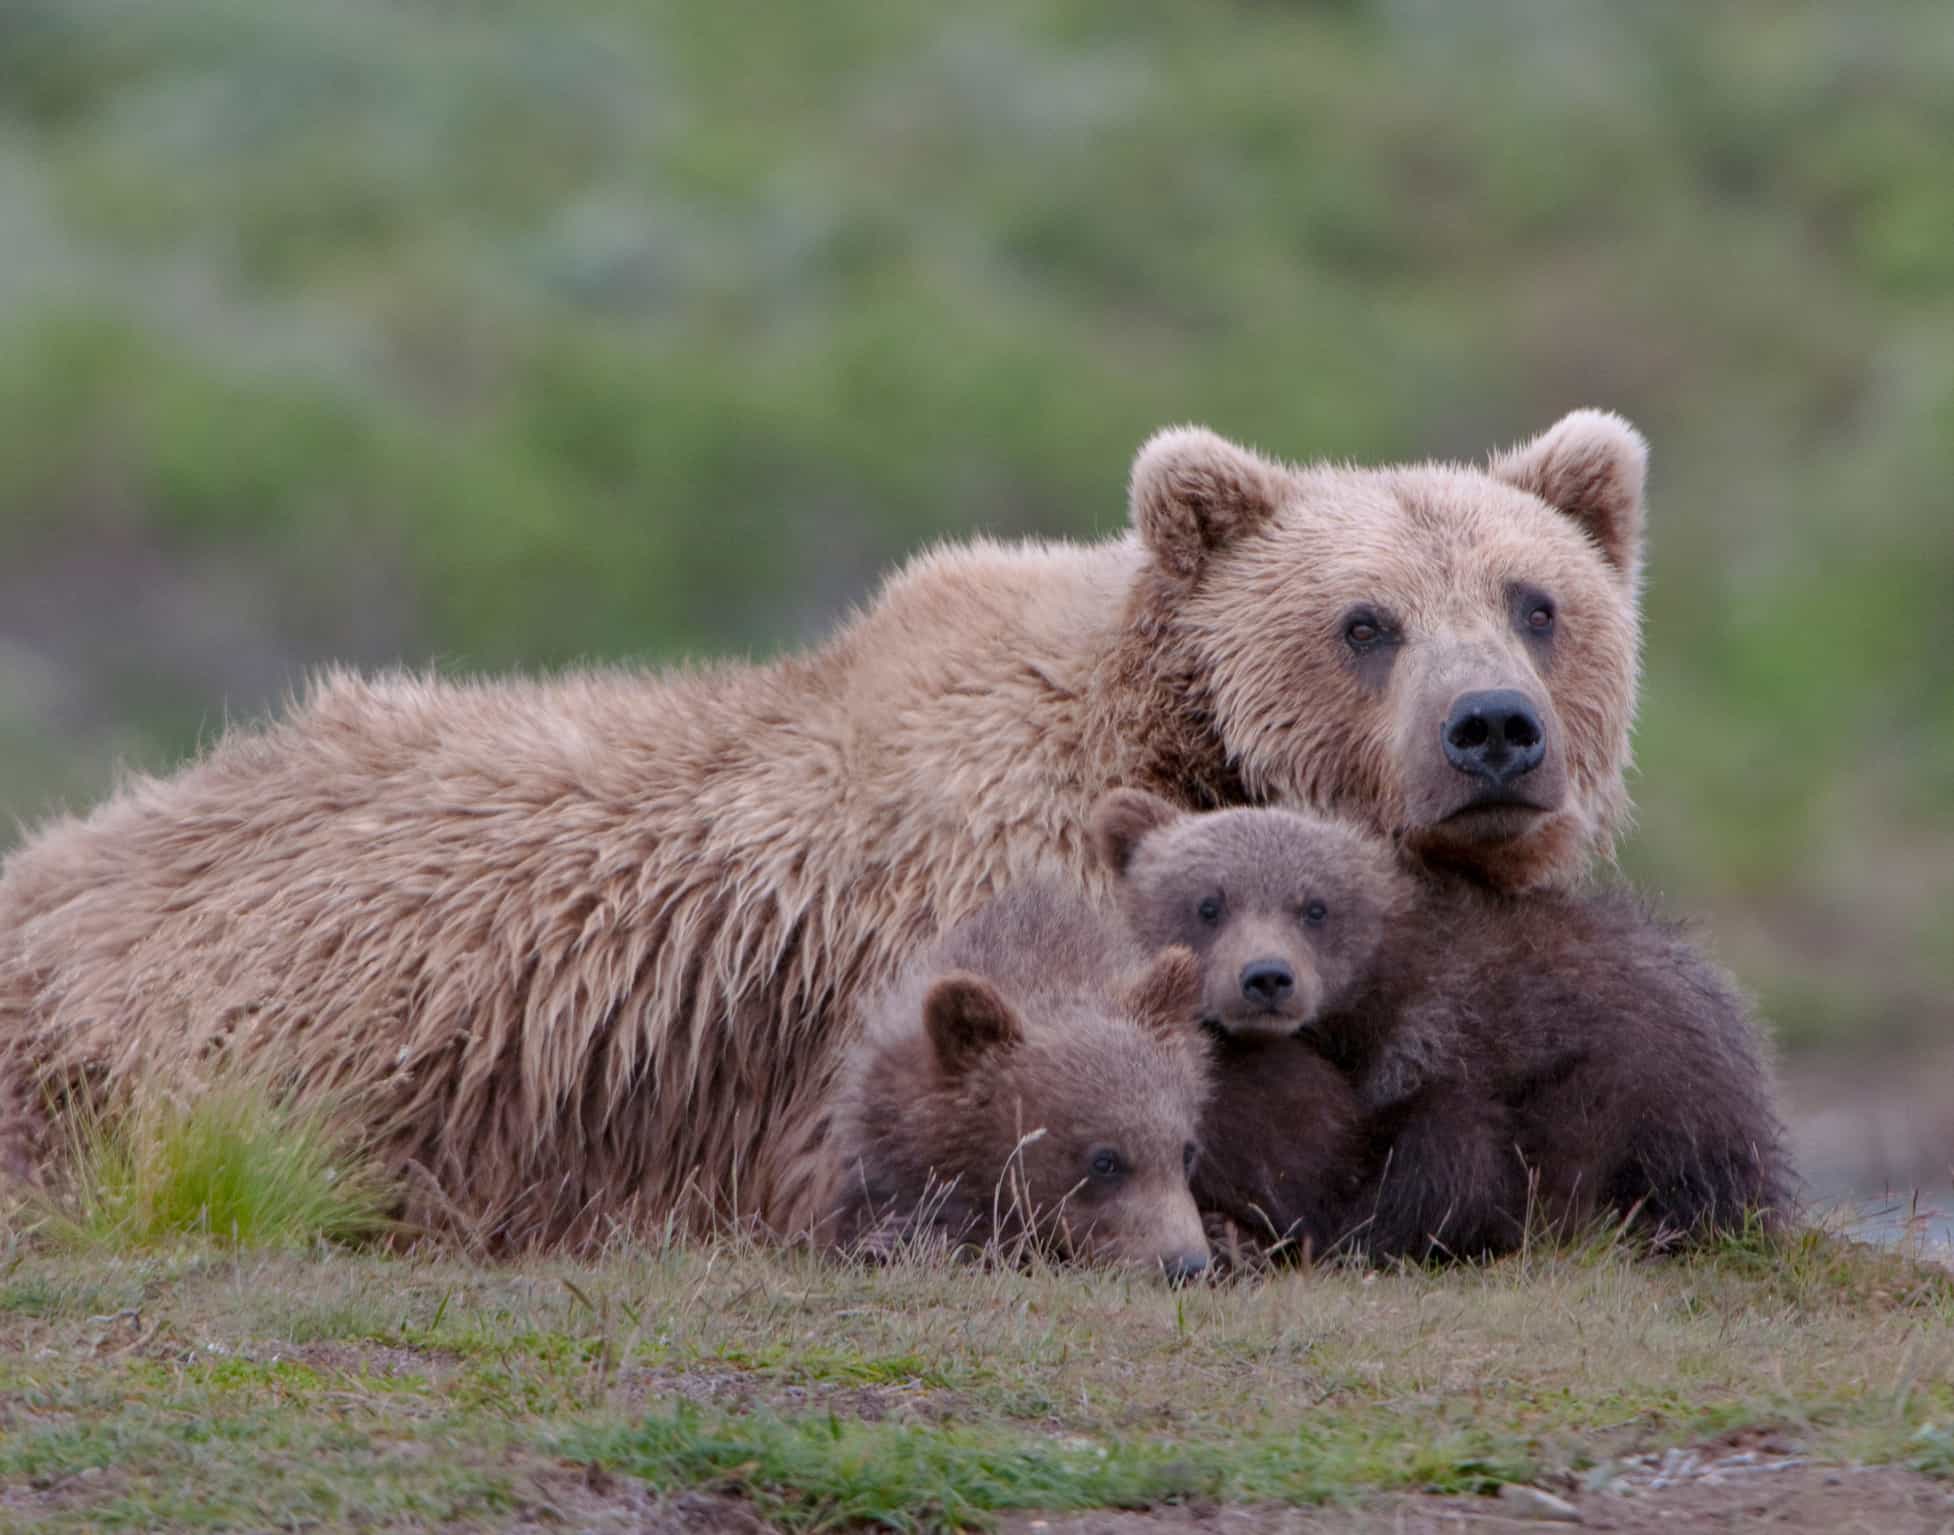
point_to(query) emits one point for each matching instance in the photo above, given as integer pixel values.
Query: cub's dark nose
(1180, 1268)
(1494, 735)
(1266, 982)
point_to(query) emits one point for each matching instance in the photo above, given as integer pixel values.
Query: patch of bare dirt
(378, 1360)
(369, 1359)
(31, 1500)
(588, 1498)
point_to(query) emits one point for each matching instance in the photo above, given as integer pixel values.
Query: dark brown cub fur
(1568, 1055)
(1490, 1057)
(1033, 1076)
(1284, 1152)
(1287, 912)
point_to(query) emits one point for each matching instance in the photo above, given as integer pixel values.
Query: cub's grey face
(1284, 911)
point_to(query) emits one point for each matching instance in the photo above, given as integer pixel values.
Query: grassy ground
(200, 1387)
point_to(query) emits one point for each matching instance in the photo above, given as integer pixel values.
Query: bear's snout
(1185, 1267)
(1494, 736)
(1267, 983)
(1487, 773)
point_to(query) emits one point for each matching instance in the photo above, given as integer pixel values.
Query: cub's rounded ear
(1193, 491)
(968, 1019)
(1591, 466)
(1121, 818)
(1167, 996)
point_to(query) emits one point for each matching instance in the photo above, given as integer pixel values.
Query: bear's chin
(1510, 847)
(1493, 825)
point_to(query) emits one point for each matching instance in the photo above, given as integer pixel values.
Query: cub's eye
(1190, 1154)
(1361, 633)
(1540, 617)
(1105, 1163)
(1315, 912)
(1210, 910)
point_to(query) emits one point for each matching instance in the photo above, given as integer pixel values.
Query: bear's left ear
(1167, 996)
(968, 1019)
(1192, 492)
(1590, 465)
(1121, 818)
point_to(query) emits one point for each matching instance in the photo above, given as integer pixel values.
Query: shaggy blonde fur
(588, 949)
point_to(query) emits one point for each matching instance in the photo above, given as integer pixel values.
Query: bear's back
(1040, 938)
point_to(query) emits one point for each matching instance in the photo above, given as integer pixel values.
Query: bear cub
(1287, 914)
(1464, 1061)
(1033, 1078)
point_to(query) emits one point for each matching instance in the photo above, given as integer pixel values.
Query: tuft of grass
(231, 1164)
(1808, 1268)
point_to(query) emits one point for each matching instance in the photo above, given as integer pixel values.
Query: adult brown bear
(590, 948)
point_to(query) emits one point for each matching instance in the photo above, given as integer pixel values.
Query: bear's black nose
(1495, 736)
(1267, 981)
(1182, 1267)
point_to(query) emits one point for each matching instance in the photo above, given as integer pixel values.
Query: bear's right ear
(1591, 466)
(1193, 491)
(968, 1020)
(1121, 819)
(1167, 997)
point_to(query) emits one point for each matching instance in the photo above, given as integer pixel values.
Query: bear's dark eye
(1105, 1163)
(1315, 912)
(1533, 611)
(1371, 638)
(1210, 909)
(1190, 1154)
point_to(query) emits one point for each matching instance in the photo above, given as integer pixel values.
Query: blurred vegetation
(505, 333)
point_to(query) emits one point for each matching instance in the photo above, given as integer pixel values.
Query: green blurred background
(506, 333)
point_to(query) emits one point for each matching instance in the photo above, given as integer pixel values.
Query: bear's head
(1072, 1127)
(1285, 911)
(1446, 653)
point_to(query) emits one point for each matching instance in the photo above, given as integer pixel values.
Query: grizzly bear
(1476, 1062)
(1032, 1079)
(597, 944)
